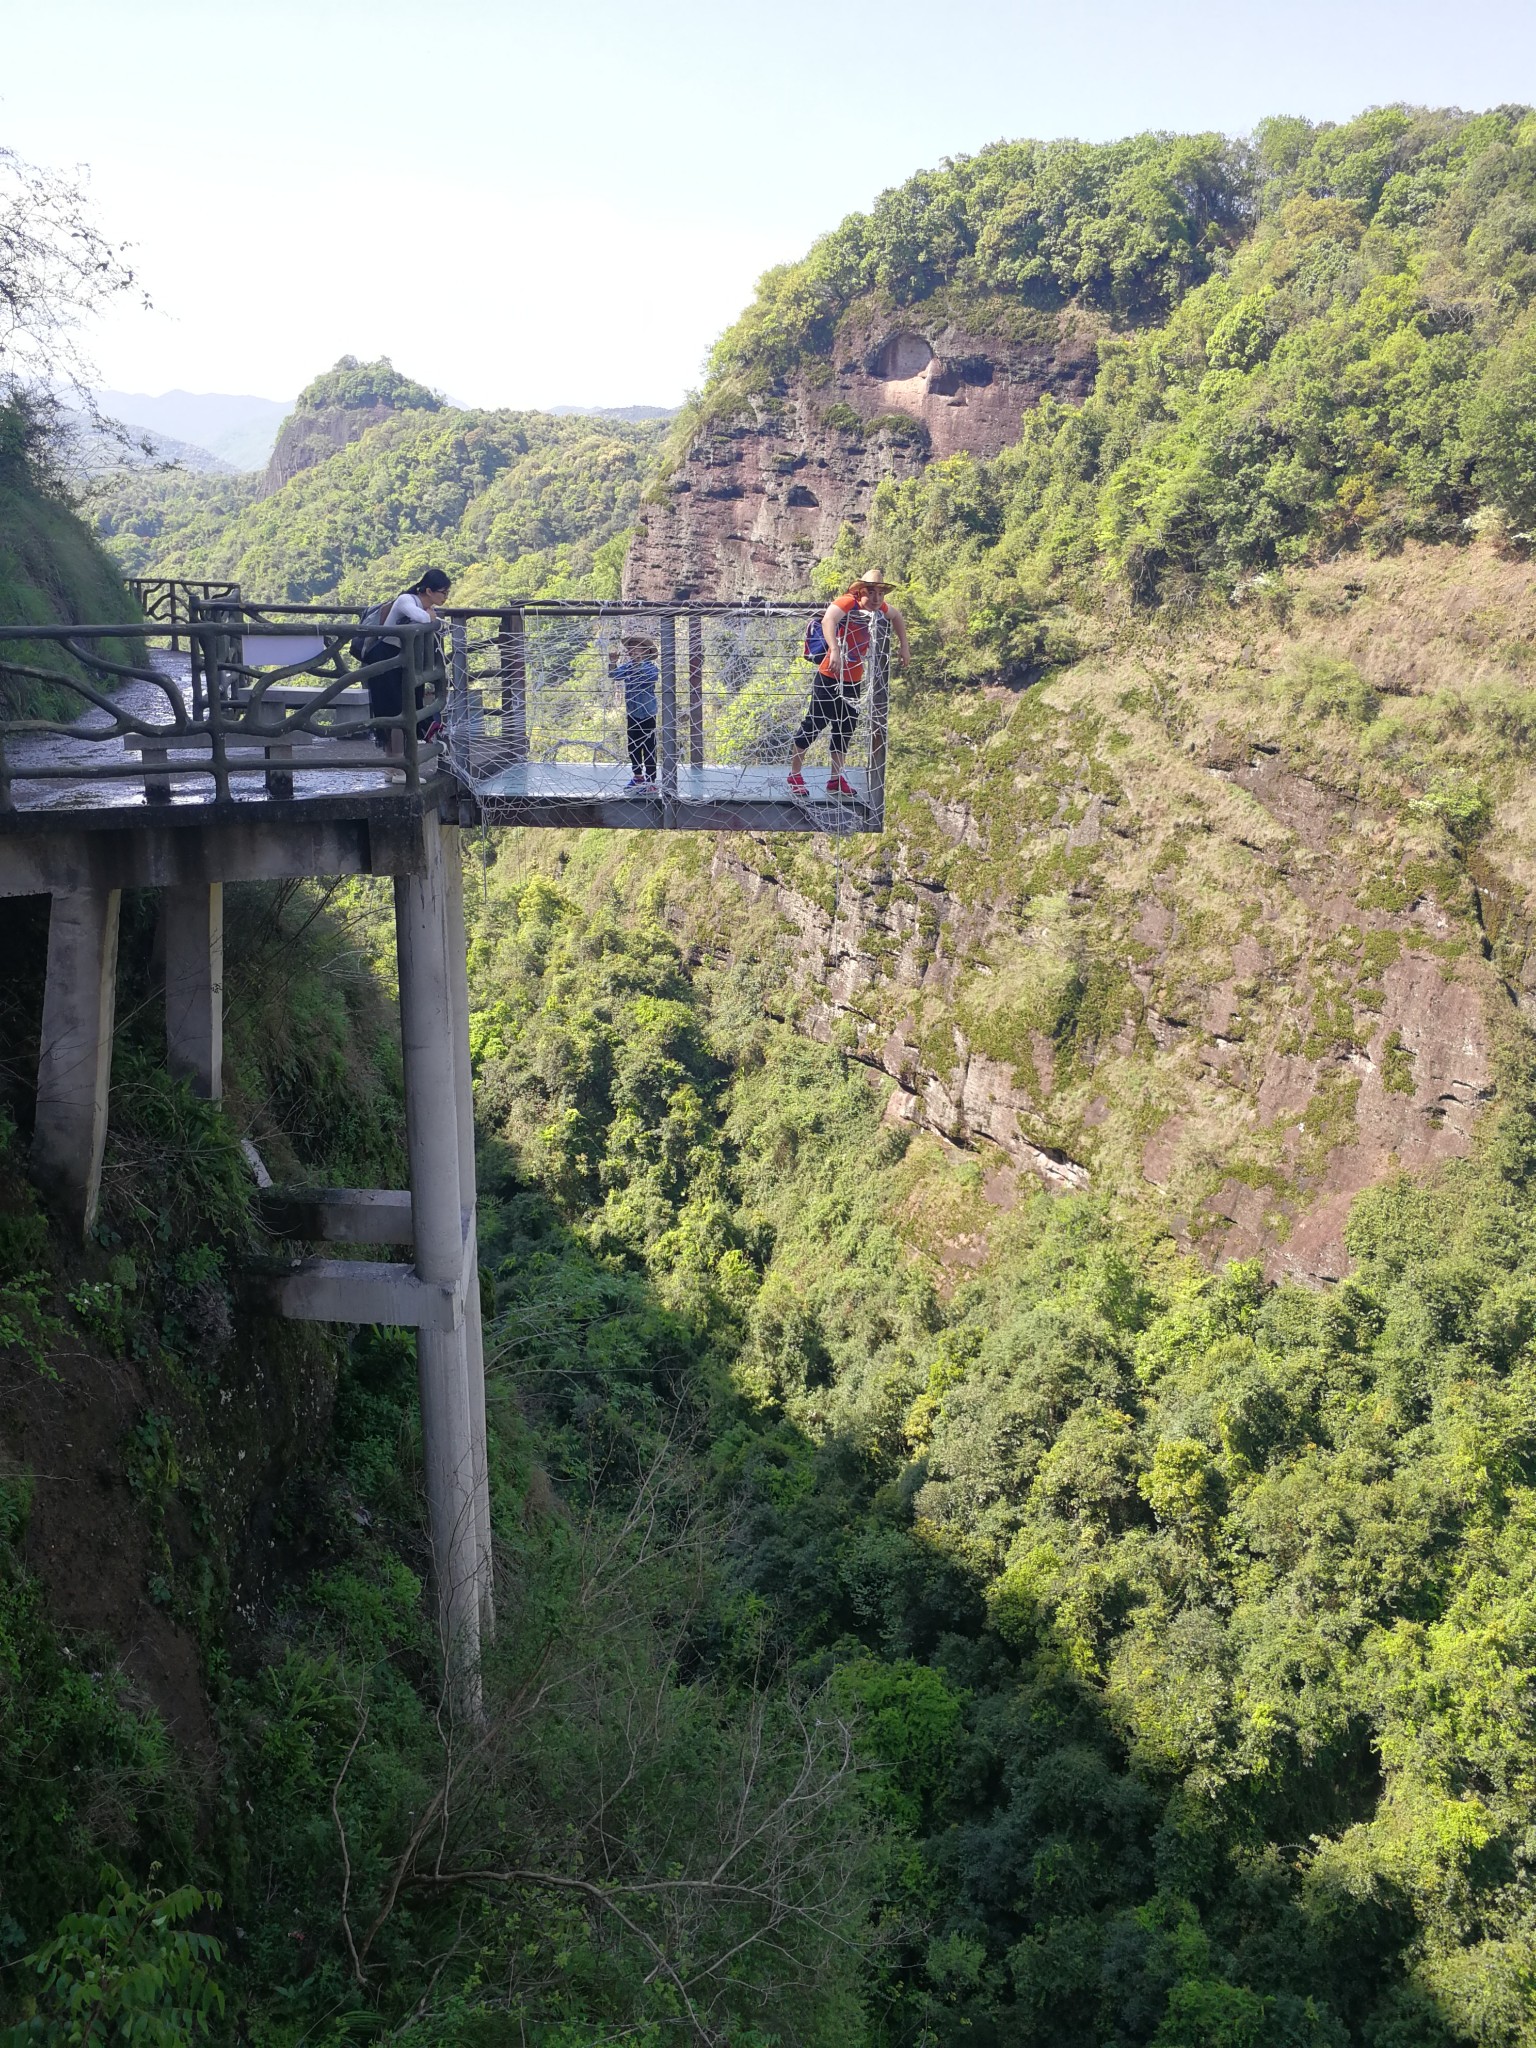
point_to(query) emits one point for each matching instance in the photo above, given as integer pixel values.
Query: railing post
(410, 672)
(879, 713)
(512, 645)
(668, 721)
(695, 691)
(219, 654)
(456, 712)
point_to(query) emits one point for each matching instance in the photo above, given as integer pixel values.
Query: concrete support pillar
(432, 1141)
(194, 986)
(74, 1066)
(458, 996)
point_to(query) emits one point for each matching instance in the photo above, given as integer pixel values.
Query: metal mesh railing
(663, 716)
(658, 706)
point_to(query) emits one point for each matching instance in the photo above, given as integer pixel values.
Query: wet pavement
(150, 702)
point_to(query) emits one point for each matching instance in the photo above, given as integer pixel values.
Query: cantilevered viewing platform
(221, 741)
(526, 709)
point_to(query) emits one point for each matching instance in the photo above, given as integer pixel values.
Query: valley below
(1011, 1341)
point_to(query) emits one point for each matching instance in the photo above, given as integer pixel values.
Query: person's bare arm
(901, 635)
(831, 625)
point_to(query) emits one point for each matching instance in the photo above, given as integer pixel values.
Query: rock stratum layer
(1171, 929)
(765, 489)
(307, 439)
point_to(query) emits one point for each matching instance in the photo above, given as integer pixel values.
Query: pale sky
(534, 205)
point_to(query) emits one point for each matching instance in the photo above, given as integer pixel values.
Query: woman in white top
(417, 606)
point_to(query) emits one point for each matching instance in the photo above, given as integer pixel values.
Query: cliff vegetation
(1012, 1344)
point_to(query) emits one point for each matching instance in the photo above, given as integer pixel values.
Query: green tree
(130, 1972)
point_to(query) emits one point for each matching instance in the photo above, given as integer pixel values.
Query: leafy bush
(129, 1972)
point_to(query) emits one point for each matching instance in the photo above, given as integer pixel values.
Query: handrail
(228, 703)
(514, 685)
(168, 600)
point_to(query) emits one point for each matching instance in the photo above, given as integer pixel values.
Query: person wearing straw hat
(639, 675)
(834, 705)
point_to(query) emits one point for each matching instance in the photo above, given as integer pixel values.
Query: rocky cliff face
(307, 439)
(763, 493)
(1156, 930)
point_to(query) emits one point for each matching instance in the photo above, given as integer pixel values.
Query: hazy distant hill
(98, 451)
(237, 429)
(613, 412)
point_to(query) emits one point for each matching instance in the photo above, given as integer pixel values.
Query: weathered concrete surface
(457, 946)
(45, 853)
(194, 986)
(432, 1144)
(74, 1067)
(339, 1215)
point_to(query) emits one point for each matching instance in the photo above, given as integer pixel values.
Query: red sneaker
(838, 785)
(797, 783)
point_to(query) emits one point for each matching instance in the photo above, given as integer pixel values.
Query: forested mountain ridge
(511, 504)
(1178, 1617)
(337, 408)
(1313, 340)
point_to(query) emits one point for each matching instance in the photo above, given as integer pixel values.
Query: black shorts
(831, 709)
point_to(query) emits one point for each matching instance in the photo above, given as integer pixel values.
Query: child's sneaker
(797, 783)
(837, 785)
(639, 782)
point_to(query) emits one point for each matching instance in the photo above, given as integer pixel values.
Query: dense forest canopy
(1317, 340)
(513, 504)
(928, 1618)
(359, 387)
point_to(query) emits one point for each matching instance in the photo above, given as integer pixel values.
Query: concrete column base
(464, 1102)
(432, 1142)
(74, 1067)
(194, 986)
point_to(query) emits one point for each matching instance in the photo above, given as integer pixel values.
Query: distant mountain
(238, 430)
(612, 412)
(338, 408)
(96, 451)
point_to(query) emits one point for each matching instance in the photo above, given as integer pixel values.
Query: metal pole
(459, 718)
(695, 691)
(410, 670)
(512, 643)
(432, 1143)
(668, 709)
(879, 714)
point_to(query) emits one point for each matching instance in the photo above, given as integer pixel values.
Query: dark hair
(430, 579)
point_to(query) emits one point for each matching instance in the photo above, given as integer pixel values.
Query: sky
(534, 205)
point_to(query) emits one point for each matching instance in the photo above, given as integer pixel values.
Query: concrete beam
(45, 853)
(74, 1066)
(354, 1291)
(193, 920)
(339, 1215)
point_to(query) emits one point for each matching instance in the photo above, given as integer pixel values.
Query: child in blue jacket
(639, 675)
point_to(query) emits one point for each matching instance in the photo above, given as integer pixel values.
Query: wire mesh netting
(683, 709)
(703, 717)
